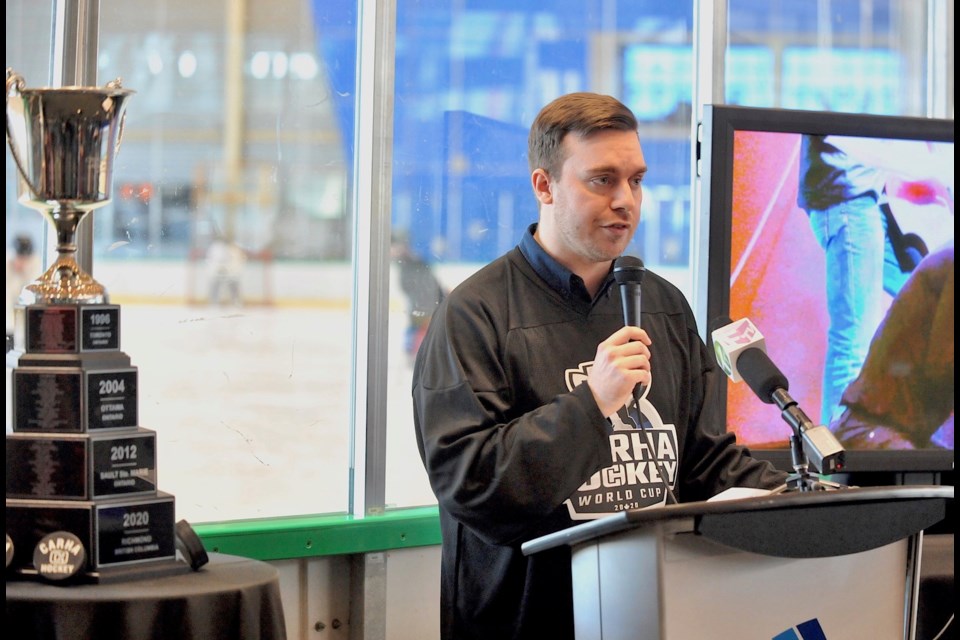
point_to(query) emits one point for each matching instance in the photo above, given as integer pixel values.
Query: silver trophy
(63, 141)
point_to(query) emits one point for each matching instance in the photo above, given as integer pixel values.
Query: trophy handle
(117, 83)
(16, 81)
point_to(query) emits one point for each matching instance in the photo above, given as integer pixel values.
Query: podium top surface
(794, 524)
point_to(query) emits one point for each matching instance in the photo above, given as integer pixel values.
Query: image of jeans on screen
(860, 268)
(842, 187)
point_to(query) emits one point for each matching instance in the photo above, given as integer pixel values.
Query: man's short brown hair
(581, 113)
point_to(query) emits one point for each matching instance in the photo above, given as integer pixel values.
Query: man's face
(591, 210)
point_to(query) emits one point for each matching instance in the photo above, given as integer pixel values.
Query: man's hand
(622, 362)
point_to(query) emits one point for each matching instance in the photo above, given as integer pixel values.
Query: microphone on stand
(742, 354)
(628, 271)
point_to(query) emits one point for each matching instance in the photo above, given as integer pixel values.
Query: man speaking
(526, 403)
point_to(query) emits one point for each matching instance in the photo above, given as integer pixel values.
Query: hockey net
(245, 282)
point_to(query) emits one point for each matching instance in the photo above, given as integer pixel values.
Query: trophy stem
(66, 219)
(64, 282)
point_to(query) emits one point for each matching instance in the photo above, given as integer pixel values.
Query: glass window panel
(861, 56)
(470, 78)
(235, 134)
(869, 84)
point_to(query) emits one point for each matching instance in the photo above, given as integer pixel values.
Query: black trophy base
(44, 466)
(17, 358)
(117, 535)
(80, 394)
(66, 328)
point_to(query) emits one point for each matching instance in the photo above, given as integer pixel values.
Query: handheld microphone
(628, 271)
(742, 354)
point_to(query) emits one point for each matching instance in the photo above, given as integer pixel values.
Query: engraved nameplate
(71, 328)
(81, 467)
(72, 400)
(113, 532)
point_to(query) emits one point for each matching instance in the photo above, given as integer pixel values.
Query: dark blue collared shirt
(567, 283)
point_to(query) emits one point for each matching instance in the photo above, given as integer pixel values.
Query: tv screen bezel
(719, 125)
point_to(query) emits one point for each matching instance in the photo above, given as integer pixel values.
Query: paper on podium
(736, 493)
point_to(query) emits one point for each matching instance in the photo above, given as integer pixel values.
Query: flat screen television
(765, 262)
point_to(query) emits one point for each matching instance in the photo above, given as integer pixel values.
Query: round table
(229, 598)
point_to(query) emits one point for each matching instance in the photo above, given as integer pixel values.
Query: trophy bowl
(63, 141)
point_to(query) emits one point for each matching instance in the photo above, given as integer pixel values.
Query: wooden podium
(774, 567)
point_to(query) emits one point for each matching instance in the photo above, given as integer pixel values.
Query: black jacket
(515, 447)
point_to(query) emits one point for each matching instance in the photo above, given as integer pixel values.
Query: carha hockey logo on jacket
(633, 481)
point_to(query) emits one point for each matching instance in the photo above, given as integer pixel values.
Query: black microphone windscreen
(757, 370)
(628, 269)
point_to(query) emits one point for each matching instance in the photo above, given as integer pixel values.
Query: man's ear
(542, 188)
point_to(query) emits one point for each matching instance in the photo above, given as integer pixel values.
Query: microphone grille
(628, 269)
(758, 371)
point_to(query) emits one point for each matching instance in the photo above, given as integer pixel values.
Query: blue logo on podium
(809, 630)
